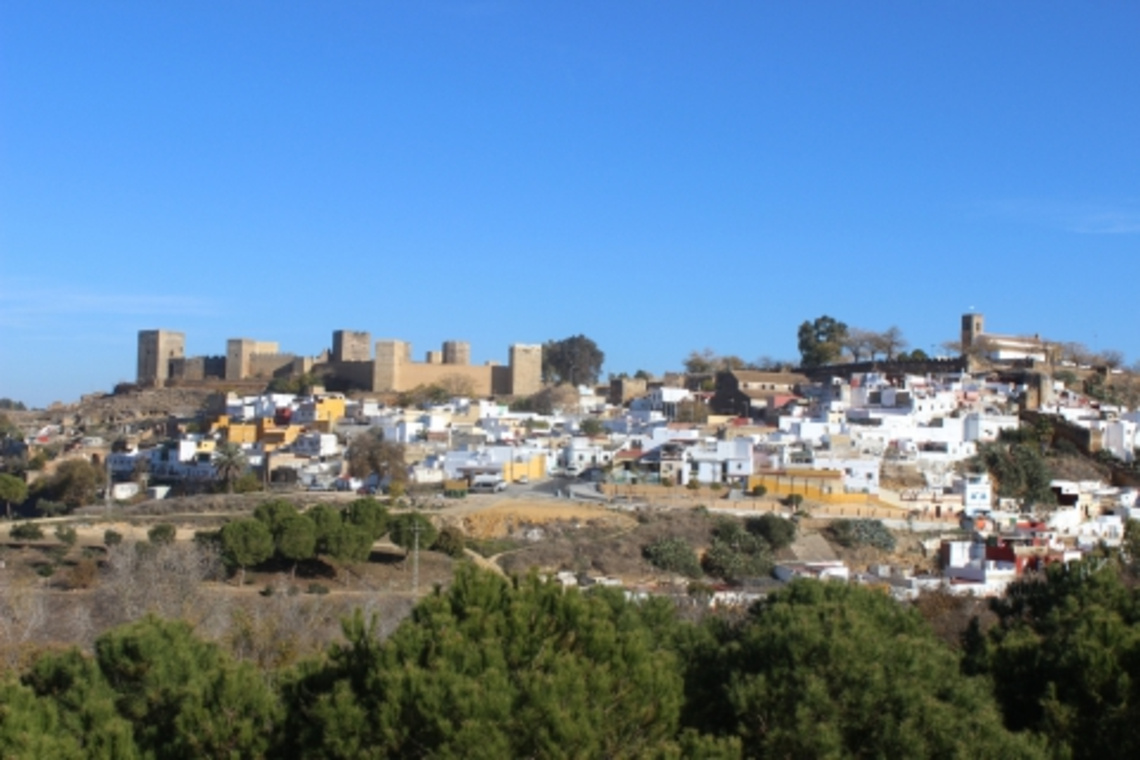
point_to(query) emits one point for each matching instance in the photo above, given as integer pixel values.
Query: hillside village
(901, 443)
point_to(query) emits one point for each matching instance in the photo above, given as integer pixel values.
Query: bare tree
(860, 344)
(890, 342)
(457, 385)
(23, 616)
(1077, 353)
(166, 580)
(1110, 358)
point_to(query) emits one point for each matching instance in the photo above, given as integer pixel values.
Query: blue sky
(660, 176)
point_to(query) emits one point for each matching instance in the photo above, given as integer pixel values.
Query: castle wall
(271, 365)
(474, 380)
(355, 375)
(352, 346)
(622, 389)
(501, 380)
(198, 368)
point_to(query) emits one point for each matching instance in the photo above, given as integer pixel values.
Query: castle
(351, 364)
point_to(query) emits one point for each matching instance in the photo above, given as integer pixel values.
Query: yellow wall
(241, 432)
(272, 436)
(535, 469)
(330, 408)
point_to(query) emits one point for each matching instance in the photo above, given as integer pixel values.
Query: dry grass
(614, 550)
(508, 517)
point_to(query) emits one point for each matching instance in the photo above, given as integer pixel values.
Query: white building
(316, 445)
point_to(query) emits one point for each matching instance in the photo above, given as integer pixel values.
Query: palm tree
(229, 463)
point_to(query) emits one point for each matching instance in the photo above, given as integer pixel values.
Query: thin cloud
(24, 304)
(1120, 218)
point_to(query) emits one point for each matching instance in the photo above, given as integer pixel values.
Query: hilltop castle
(351, 363)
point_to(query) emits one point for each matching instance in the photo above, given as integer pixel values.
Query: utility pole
(107, 488)
(416, 560)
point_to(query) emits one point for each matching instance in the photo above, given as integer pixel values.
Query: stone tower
(386, 369)
(973, 325)
(526, 369)
(351, 346)
(239, 351)
(456, 352)
(156, 349)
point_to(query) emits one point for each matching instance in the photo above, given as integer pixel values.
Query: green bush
(318, 589)
(794, 500)
(855, 533)
(66, 535)
(777, 531)
(403, 529)
(736, 554)
(112, 537)
(450, 541)
(27, 532)
(45, 570)
(673, 555)
(50, 508)
(729, 562)
(248, 483)
(162, 534)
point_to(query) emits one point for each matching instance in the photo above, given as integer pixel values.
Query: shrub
(83, 574)
(248, 483)
(736, 554)
(734, 563)
(794, 500)
(318, 589)
(162, 534)
(855, 533)
(51, 508)
(27, 532)
(673, 555)
(450, 541)
(112, 537)
(66, 535)
(45, 570)
(405, 527)
(777, 531)
(759, 491)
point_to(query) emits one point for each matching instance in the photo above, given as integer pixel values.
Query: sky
(658, 176)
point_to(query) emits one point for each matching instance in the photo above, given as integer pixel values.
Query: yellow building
(532, 469)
